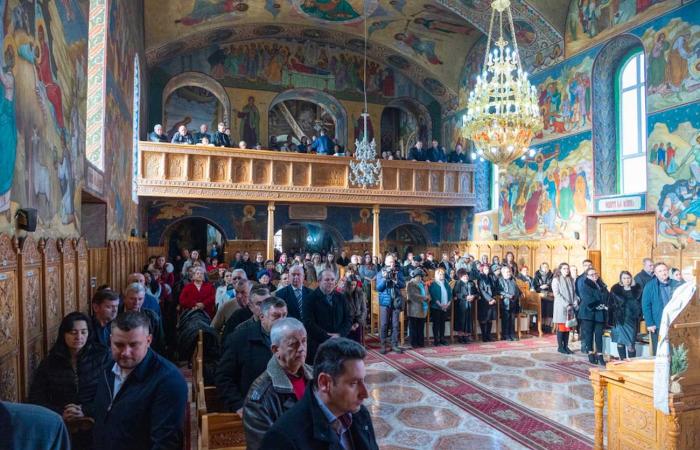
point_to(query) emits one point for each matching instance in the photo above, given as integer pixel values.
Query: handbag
(571, 321)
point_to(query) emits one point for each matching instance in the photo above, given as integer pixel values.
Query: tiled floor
(515, 395)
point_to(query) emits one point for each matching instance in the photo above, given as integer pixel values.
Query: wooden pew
(531, 301)
(223, 431)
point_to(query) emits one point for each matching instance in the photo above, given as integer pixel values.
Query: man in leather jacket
(282, 384)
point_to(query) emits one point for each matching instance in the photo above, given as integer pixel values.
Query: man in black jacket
(331, 414)
(593, 314)
(246, 354)
(296, 294)
(220, 138)
(257, 295)
(141, 399)
(157, 134)
(646, 274)
(282, 384)
(326, 313)
(182, 136)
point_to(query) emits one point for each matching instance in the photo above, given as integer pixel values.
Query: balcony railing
(190, 171)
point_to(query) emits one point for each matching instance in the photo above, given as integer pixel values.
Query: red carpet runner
(521, 424)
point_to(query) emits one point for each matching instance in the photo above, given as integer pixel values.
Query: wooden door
(624, 242)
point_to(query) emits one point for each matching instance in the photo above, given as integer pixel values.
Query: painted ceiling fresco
(427, 39)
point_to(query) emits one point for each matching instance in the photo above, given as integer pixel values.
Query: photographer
(390, 281)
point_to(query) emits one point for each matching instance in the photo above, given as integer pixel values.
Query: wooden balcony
(190, 171)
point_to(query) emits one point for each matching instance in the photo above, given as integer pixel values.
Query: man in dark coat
(646, 274)
(458, 156)
(282, 384)
(252, 311)
(141, 400)
(295, 294)
(157, 134)
(436, 153)
(657, 293)
(330, 416)
(417, 153)
(203, 133)
(326, 313)
(182, 136)
(220, 138)
(593, 314)
(246, 354)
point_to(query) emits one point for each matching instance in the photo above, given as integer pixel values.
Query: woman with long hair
(509, 260)
(625, 301)
(357, 304)
(66, 380)
(368, 272)
(330, 264)
(564, 290)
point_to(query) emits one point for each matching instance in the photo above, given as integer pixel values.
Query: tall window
(631, 124)
(136, 118)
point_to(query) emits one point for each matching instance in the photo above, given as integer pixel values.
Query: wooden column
(598, 402)
(271, 230)
(375, 232)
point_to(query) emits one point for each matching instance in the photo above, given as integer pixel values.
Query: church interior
(528, 170)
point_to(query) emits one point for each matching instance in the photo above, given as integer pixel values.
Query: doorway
(194, 233)
(406, 238)
(624, 242)
(312, 237)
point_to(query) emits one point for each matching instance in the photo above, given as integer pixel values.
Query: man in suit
(417, 153)
(646, 274)
(331, 414)
(157, 134)
(203, 133)
(326, 313)
(657, 293)
(220, 138)
(436, 153)
(182, 136)
(296, 294)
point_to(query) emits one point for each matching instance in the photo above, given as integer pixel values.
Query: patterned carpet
(501, 395)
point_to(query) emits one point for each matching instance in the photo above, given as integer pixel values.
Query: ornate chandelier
(365, 168)
(502, 111)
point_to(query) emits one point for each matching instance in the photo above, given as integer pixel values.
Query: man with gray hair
(282, 384)
(157, 134)
(326, 313)
(246, 354)
(242, 287)
(134, 296)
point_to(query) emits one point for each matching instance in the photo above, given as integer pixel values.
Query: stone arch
(328, 102)
(201, 80)
(172, 225)
(604, 126)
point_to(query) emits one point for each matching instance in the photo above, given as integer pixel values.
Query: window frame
(633, 56)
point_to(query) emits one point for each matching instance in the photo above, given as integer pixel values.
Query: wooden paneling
(53, 305)
(68, 278)
(185, 171)
(32, 347)
(82, 278)
(10, 372)
(624, 242)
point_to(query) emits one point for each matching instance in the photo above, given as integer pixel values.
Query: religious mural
(674, 173)
(549, 196)
(592, 21)
(190, 106)
(123, 43)
(672, 47)
(485, 226)
(565, 98)
(43, 84)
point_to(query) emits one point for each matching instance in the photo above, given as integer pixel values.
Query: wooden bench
(223, 431)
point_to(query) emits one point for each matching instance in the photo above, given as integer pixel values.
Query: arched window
(631, 124)
(136, 125)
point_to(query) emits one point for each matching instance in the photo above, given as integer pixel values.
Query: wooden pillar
(375, 232)
(271, 230)
(598, 403)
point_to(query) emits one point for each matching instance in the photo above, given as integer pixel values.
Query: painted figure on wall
(205, 10)
(330, 10)
(420, 46)
(8, 131)
(362, 230)
(249, 128)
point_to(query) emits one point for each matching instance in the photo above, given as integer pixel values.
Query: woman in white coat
(564, 290)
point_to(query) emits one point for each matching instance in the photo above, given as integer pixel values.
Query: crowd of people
(291, 336)
(321, 144)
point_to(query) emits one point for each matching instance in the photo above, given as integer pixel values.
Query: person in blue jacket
(657, 293)
(390, 281)
(323, 145)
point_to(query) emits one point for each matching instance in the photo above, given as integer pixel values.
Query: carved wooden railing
(170, 170)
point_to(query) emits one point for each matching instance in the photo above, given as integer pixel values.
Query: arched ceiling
(428, 40)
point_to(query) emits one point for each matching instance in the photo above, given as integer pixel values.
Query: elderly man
(203, 133)
(246, 355)
(242, 287)
(220, 138)
(105, 305)
(331, 413)
(390, 281)
(182, 136)
(157, 134)
(326, 313)
(646, 274)
(282, 384)
(296, 294)
(656, 295)
(150, 302)
(140, 404)
(252, 311)
(134, 296)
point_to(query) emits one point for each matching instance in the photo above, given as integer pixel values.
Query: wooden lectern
(632, 420)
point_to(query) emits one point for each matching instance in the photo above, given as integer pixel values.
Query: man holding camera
(390, 281)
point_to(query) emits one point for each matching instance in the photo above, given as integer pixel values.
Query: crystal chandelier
(502, 111)
(365, 168)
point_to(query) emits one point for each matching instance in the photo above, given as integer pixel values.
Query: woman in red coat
(199, 293)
